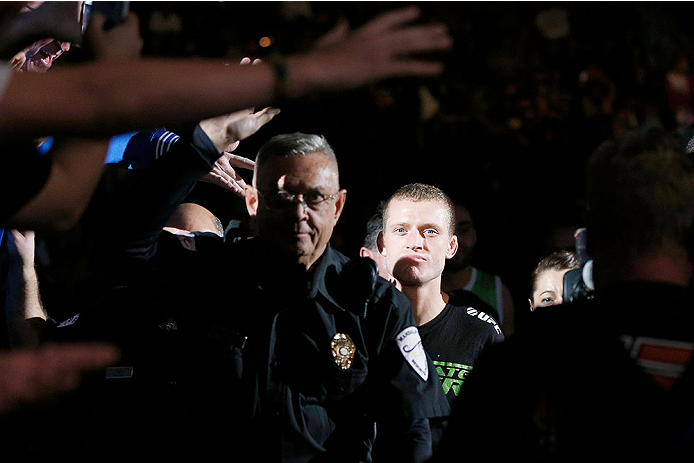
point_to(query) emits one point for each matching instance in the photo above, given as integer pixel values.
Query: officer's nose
(300, 208)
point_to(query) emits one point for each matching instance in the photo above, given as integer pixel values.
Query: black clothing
(268, 340)
(465, 298)
(108, 418)
(256, 378)
(608, 379)
(454, 340)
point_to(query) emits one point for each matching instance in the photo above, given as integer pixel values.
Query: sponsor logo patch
(410, 344)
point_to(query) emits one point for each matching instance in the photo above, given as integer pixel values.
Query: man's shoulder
(384, 292)
(475, 318)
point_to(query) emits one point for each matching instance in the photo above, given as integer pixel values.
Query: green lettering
(453, 384)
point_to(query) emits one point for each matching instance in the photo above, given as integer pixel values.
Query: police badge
(343, 350)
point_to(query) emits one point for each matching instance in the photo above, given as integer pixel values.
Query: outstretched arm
(23, 309)
(104, 98)
(75, 164)
(76, 167)
(30, 375)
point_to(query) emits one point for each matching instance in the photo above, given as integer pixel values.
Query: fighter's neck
(427, 300)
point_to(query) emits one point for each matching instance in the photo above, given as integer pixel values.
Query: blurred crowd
(172, 198)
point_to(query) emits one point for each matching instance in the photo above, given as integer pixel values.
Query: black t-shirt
(454, 340)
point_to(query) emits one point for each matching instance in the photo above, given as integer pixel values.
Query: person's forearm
(24, 311)
(103, 99)
(76, 169)
(137, 217)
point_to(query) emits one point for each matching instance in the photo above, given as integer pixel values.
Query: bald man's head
(191, 217)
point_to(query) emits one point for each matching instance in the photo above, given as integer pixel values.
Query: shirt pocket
(339, 383)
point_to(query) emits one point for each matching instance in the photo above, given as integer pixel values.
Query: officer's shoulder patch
(410, 344)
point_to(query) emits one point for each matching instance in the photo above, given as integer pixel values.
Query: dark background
(516, 114)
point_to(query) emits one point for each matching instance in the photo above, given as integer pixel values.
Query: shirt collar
(323, 278)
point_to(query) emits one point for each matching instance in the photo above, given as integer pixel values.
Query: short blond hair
(422, 192)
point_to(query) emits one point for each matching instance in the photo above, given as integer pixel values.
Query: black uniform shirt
(297, 402)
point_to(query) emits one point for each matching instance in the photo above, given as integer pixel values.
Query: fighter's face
(417, 240)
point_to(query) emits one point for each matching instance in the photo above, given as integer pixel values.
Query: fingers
(237, 188)
(131, 20)
(80, 357)
(420, 38)
(18, 60)
(334, 35)
(121, 42)
(391, 19)
(247, 60)
(240, 162)
(234, 183)
(232, 147)
(266, 115)
(31, 375)
(96, 24)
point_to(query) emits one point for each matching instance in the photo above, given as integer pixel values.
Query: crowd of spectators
(529, 91)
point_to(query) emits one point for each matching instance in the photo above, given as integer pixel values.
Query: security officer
(306, 351)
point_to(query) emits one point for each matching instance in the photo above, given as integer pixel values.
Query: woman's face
(549, 289)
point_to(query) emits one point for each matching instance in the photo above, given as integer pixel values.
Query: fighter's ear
(251, 197)
(380, 242)
(452, 247)
(365, 252)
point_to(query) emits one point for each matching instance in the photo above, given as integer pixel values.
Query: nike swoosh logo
(413, 347)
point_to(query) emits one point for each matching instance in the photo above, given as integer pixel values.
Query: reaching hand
(58, 20)
(381, 48)
(31, 375)
(224, 175)
(21, 246)
(226, 130)
(120, 43)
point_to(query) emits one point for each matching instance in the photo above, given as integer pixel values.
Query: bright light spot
(265, 41)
